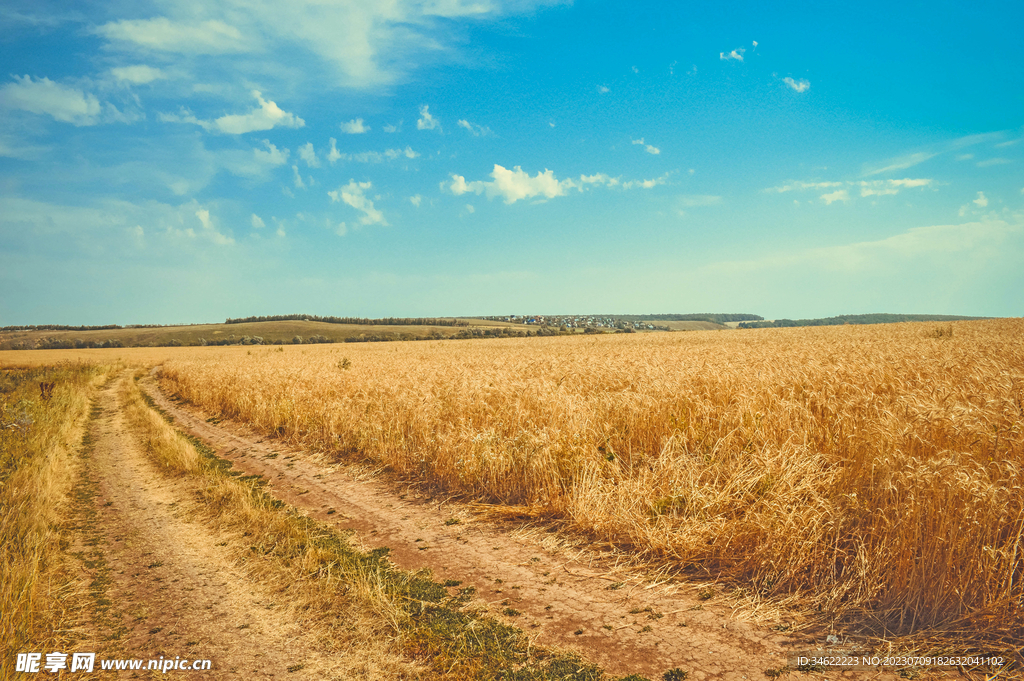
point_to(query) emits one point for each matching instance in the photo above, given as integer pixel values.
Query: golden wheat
(871, 469)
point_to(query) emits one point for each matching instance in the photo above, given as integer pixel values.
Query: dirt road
(569, 597)
(163, 584)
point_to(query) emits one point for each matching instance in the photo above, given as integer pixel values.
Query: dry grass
(876, 471)
(38, 464)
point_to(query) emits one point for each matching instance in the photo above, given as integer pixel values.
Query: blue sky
(174, 161)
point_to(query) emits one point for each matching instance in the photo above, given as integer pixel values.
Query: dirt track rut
(171, 586)
(568, 598)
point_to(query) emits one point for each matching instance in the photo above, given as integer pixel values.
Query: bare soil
(164, 584)
(565, 596)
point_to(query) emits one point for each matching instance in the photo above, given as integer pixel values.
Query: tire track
(170, 585)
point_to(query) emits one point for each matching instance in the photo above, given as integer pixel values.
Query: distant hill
(877, 318)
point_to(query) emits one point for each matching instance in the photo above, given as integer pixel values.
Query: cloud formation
(355, 127)
(839, 195)
(649, 148)
(475, 130)
(44, 96)
(736, 54)
(426, 121)
(516, 184)
(163, 35)
(352, 195)
(138, 74)
(797, 85)
(266, 116)
(308, 154)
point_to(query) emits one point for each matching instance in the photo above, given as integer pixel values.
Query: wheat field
(875, 472)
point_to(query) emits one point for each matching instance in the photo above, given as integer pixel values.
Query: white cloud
(392, 128)
(890, 187)
(333, 155)
(866, 187)
(839, 195)
(1009, 143)
(603, 89)
(416, 200)
(736, 54)
(272, 156)
(476, 130)
(352, 194)
(373, 156)
(645, 184)
(470, 208)
(139, 74)
(268, 115)
(397, 153)
(798, 85)
(308, 154)
(993, 162)
(299, 184)
(355, 127)
(796, 186)
(755, 44)
(514, 185)
(636, 70)
(650, 148)
(257, 222)
(901, 163)
(426, 121)
(964, 157)
(981, 201)
(161, 34)
(43, 96)
(210, 230)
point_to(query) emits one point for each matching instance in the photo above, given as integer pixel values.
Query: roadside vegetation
(867, 474)
(42, 417)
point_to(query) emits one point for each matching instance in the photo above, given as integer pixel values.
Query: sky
(184, 162)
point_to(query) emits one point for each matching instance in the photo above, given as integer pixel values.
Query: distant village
(580, 321)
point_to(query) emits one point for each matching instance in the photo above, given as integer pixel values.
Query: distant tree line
(877, 318)
(362, 321)
(60, 327)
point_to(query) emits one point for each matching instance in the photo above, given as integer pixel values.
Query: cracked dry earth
(563, 597)
(169, 585)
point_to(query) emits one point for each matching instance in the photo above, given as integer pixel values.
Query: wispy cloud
(603, 89)
(901, 163)
(649, 148)
(138, 74)
(736, 54)
(163, 35)
(475, 130)
(993, 162)
(44, 96)
(981, 201)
